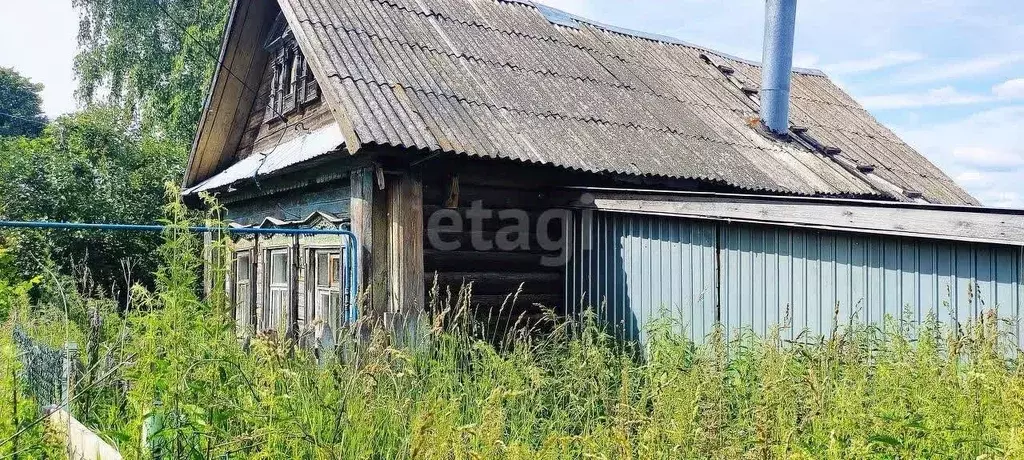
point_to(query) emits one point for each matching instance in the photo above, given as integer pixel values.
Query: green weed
(899, 391)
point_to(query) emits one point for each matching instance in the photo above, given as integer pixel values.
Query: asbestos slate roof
(509, 79)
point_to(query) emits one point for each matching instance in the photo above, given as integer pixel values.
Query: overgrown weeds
(173, 363)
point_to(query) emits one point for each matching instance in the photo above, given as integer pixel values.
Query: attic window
(292, 84)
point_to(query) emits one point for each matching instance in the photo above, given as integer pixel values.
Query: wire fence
(48, 373)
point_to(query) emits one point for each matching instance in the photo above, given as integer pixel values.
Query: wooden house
(472, 141)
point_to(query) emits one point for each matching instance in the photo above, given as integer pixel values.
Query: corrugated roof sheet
(303, 148)
(499, 79)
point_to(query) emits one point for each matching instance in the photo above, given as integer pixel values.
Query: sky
(945, 75)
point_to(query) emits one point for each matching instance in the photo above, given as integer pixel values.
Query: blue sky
(946, 75)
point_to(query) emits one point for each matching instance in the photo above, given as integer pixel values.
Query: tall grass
(20, 437)
(910, 392)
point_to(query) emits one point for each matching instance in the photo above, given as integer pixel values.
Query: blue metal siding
(635, 269)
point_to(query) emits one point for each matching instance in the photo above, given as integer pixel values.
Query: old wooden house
(505, 143)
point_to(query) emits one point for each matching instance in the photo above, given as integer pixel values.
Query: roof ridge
(563, 18)
(550, 39)
(536, 71)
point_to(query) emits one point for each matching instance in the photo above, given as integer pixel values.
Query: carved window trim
(292, 84)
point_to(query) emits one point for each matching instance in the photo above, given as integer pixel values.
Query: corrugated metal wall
(637, 268)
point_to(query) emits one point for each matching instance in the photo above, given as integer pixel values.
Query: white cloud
(948, 71)
(988, 158)
(984, 152)
(887, 60)
(1001, 199)
(1010, 89)
(971, 178)
(805, 60)
(944, 96)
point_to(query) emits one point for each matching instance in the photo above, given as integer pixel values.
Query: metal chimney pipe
(777, 65)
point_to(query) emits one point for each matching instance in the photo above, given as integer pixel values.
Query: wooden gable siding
(332, 198)
(260, 136)
(243, 60)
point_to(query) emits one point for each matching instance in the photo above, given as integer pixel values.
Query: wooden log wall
(493, 271)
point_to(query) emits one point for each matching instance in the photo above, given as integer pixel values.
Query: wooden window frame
(292, 84)
(271, 319)
(243, 297)
(316, 290)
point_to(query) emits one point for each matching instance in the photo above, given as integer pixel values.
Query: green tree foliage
(137, 52)
(21, 112)
(88, 167)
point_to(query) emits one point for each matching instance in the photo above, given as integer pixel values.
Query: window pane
(322, 275)
(335, 270)
(242, 305)
(242, 267)
(279, 268)
(288, 74)
(278, 302)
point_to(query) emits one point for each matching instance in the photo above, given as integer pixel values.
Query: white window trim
(330, 315)
(243, 318)
(271, 319)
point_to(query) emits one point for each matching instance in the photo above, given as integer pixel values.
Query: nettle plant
(176, 381)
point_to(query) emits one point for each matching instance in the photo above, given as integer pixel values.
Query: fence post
(14, 410)
(70, 355)
(208, 261)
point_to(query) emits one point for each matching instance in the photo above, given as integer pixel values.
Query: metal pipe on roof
(777, 64)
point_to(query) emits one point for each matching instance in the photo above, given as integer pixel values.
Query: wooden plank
(405, 244)
(254, 285)
(319, 63)
(361, 204)
(230, 96)
(248, 94)
(516, 262)
(999, 228)
(270, 135)
(463, 240)
(80, 442)
(212, 96)
(522, 301)
(500, 283)
(492, 197)
(494, 221)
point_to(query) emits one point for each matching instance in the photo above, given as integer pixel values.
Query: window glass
(322, 267)
(242, 267)
(335, 271)
(327, 297)
(288, 74)
(279, 268)
(243, 292)
(275, 311)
